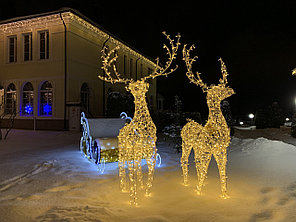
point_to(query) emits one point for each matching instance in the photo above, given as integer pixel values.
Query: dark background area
(256, 39)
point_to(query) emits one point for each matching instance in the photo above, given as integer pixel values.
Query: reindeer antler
(171, 56)
(109, 62)
(224, 73)
(189, 61)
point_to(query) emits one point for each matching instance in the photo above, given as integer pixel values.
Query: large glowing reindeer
(136, 140)
(214, 137)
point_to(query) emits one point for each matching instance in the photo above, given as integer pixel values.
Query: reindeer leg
(139, 173)
(151, 161)
(184, 161)
(138, 158)
(133, 182)
(121, 165)
(151, 166)
(221, 159)
(202, 160)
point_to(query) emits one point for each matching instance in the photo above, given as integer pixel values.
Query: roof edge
(74, 11)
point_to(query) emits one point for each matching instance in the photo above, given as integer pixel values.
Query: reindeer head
(139, 86)
(215, 93)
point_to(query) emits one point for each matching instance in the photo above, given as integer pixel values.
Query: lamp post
(251, 116)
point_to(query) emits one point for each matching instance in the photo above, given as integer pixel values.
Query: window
(150, 71)
(44, 44)
(84, 97)
(10, 106)
(1, 99)
(141, 70)
(131, 68)
(45, 103)
(12, 49)
(28, 98)
(124, 65)
(27, 46)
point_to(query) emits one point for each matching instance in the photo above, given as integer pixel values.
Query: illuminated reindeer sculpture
(137, 139)
(214, 137)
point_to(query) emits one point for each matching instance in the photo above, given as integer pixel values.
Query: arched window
(84, 96)
(28, 99)
(10, 105)
(45, 103)
(1, 100)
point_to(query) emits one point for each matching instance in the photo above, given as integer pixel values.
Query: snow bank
(45, 178)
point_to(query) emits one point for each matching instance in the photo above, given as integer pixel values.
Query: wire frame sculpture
(214, 137)
(137, 139)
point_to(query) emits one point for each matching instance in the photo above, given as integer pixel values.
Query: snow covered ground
(43, 177)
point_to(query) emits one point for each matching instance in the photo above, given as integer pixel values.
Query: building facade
(49, 65)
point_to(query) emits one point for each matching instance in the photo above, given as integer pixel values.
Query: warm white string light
(214, 137)
(137, 140)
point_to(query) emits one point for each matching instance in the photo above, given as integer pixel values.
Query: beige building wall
(37, 70)
(84, 44)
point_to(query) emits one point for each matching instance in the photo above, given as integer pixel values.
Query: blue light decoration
(47, 108)
(28, 109)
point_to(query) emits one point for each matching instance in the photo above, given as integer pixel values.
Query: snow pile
(43, 177)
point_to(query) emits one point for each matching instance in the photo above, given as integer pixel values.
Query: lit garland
(214, 137)
(30, 24)
(137, 140)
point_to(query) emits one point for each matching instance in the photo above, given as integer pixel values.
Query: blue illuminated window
(46, 98)
(28, 98)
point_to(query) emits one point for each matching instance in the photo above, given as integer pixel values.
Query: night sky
(256, 39)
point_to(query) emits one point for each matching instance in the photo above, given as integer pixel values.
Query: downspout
(65, 74)
(137, 68)
(104, 83)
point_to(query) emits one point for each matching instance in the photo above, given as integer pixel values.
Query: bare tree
(4, 131)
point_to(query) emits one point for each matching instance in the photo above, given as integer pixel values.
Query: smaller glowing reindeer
(214, 137)
(137, 139)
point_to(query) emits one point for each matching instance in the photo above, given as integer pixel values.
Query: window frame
(30, 47)
(13, 108)
(46, 93)
(30, 102)
(85, 96)
(14, 56)
(46, 44)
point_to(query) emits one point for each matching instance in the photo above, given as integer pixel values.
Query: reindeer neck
(141, 107)
(215, 115)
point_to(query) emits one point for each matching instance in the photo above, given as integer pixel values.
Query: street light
(251, 116)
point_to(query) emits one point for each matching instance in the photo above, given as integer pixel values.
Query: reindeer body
(211, 139)
(137, 139)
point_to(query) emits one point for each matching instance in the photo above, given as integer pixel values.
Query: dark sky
(256, 39)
